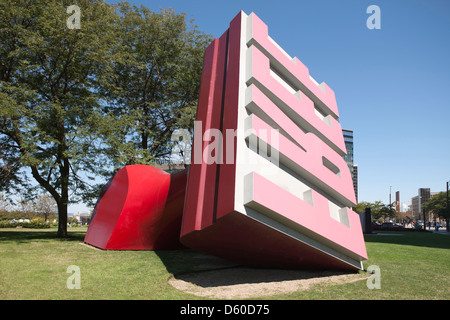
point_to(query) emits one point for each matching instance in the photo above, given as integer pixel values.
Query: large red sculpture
(288, 209)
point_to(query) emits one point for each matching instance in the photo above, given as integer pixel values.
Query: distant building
(82, 218)
(415, 207)
(355, 180)
(348, 139)
(418, 202)
(397, 201)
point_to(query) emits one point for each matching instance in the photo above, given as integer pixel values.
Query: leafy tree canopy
(76, 102)
(438, 205)
(154, 83)
(378, 209)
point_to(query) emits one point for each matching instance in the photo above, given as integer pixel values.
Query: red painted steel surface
(210, 191)
(140, 210)
(242, 239)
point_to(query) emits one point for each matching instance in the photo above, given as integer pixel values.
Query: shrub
(33, 224)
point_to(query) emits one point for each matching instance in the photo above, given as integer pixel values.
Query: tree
(388, 211)
(437, 205)
(75, 102)
(4, 204)
(404, 217)
(361, 206)
(50, 106)
(25, 204)
(378, 209)
(45, 205)
(155, 83)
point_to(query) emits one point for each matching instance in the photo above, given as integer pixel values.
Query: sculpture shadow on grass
(205, 275)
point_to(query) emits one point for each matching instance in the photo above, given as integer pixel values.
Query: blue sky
(391, 84)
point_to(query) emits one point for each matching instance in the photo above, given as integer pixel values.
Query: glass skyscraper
(348, 139)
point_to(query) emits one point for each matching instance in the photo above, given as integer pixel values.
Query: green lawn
(33, 265)
(413, 266)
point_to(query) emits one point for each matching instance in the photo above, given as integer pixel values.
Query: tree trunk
(62, 209)
(144, 143)
(62, 220)
(144, 126)
(64, 203)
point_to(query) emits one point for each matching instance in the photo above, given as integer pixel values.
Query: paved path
(441, 231)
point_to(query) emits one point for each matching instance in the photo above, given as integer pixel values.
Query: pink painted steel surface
(312, 217)
(308, 161)
(297, 72)
(298, 106)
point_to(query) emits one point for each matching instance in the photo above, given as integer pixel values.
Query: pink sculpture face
(277, 191)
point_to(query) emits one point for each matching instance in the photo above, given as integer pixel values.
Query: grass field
(33, 265)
